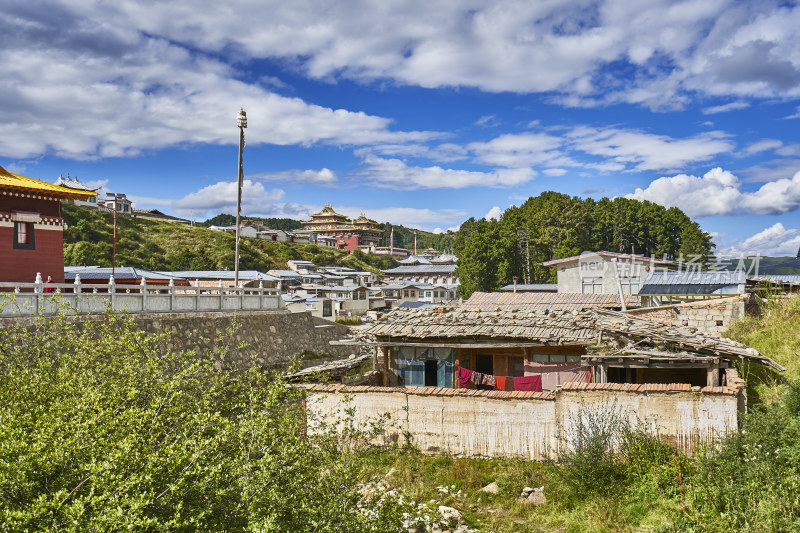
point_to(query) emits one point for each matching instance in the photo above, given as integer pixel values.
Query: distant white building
(90, 201)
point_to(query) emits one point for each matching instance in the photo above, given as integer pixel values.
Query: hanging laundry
(489, 379)
(476, 378)
(464, 376)
(500, 382)
(528, 383)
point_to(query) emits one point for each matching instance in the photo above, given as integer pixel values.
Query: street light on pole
(241, 121)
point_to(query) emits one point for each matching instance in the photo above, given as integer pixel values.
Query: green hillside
(159, 245)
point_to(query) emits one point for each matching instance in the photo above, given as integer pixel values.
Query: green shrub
(349, 320)
(104, 427)
(751, 482)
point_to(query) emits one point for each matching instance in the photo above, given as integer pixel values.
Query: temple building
(349, 234)
(31, 227)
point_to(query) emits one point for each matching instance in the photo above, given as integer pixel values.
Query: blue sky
(415, 113)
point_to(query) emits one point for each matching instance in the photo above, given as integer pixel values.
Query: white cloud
(640, 150)
(762, 146)
(323, 176)
(520, 150)
(129, 57)
(775, 240)
(82, 81)
(733, 106)
(554, 172)
(794, 115)
(221, 198)
(397, 174)
(494, 213)
(719, 192)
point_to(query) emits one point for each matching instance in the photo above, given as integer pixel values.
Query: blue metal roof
(219, 274)
(716, 277)
(120, 273)
(421, 269)
(532, 287)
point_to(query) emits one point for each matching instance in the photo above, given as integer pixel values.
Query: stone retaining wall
(271, 337)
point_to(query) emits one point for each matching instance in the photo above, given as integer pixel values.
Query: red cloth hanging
(500, 382)
(464, 376)
(528, 383)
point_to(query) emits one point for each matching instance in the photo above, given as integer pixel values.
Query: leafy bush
(104, 427)
(751, 482)
(607, 455)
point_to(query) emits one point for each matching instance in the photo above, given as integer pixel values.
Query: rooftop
(9, 180)
(618, 331)
(421, 269)
(611, 255)
(547, 300)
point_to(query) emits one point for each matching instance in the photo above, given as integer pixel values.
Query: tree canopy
(554, 225)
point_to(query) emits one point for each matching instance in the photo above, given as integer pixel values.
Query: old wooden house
(423, 347)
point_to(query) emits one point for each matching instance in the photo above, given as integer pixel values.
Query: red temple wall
(22, 265)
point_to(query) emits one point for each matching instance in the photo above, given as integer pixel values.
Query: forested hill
(554, 225)
(224, 219)
(404, 238)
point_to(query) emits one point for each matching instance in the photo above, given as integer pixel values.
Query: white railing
(78, 298)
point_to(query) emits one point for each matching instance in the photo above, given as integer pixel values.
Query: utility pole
(241, 121)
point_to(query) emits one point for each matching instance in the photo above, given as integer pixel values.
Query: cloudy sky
(418, 113)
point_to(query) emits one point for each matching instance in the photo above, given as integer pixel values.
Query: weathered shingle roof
(553, 327)
(547, 300)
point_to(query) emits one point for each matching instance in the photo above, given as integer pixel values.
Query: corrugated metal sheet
(547, 300)
(421, 269)
(717, 277)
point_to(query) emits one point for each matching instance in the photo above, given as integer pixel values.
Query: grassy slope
(163, 246)
(651, 504)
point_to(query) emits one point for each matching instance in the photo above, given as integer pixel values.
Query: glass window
(592, 285)
(420, 366)
(630, 284)
(23, 236)
(428, 294)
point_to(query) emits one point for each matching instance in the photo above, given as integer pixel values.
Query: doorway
(431, 373)
(484, 364)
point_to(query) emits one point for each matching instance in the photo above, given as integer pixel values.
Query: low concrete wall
(528, 425)
(271, 337)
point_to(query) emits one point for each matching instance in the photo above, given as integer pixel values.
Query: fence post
(197, 295)
(171, 294)
(112, 289)
(143, 290)
(77, 289)
(260, 295)
(219, 293)
(39, 291)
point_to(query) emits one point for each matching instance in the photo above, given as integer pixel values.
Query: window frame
(30, 234)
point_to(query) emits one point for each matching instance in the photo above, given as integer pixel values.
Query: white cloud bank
(719, 192)
(775, 240)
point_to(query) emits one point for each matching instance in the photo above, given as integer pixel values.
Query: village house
(31, 227)
(155, 214)
(442, 274)
(605, 272)
(423, 347)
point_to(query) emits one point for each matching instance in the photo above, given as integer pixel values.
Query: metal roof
(546, 300)
(120, 274)
(689, 288)
(715, 277)
(219, 274)
(421, 269)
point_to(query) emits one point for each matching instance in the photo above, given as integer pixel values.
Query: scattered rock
(537, 496)
(491, 488)
(390, 472)
(450, 513)
(526, 492)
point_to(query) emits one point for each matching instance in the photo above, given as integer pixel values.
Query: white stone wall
(531, 426)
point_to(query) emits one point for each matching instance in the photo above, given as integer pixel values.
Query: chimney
(515, 284)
